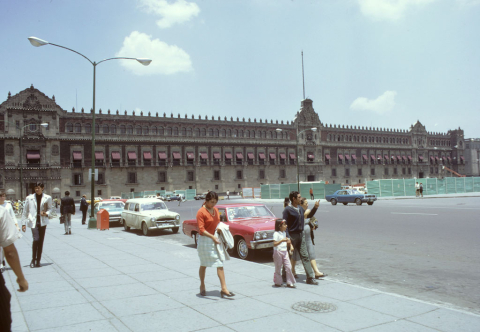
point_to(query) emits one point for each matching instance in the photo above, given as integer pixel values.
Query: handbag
(313, 222)
(62, 219)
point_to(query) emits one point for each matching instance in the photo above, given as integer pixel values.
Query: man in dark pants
(8, 235)
(311, 194)
(67, 208)
(84, 208)
(38, 207)
(294, 215)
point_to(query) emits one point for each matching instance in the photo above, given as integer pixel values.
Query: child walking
(280, 255)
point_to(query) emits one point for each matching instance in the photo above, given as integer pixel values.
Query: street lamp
(37, 42)
(296, 149)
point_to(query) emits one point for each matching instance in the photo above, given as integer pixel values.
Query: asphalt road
(427, 249)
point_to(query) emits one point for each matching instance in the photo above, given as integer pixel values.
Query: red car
(252, 226)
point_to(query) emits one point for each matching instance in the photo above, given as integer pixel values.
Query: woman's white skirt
(207, 252)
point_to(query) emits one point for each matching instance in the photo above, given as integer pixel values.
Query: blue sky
(380, 63)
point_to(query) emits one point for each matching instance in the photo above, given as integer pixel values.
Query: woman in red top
(208, 219)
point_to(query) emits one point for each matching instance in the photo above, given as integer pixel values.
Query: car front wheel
(345, 203)
(333, 201)
(145, 229)
(125, 227)
(175, 230)
(358, 201)
(242, 249)
(370, 203)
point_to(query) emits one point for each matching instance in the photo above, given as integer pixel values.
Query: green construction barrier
(476, 184)
(190, 194)
(460, 185)
(265, 191)
(410, 187)
(373, 187)
(331, 189)
(468, 185)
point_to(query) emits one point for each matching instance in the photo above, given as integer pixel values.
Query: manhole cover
(314, 306)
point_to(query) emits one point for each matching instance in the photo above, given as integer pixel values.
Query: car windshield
(153, 206)
(248, 212)
(112, 206)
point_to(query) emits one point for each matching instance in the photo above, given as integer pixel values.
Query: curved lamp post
(37, 42)
(296, 149)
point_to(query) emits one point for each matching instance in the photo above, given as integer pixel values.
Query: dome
(55, 190)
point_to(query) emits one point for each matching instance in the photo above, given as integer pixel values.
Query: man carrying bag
(67, 208)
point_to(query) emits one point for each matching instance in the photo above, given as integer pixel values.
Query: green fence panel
(319, 190)
(410, 187)
(460, 185)
(138, 194)
(127, 195)
(468, 185)
(161, 192)
(373, 187)
(275, 191)
(429, 187)
(386, 189)
(190, 194)
(441, 186)
(149, 192)
(398, 187)
(476, 185)
(305, 189)
(450, 186)
(265, 191)
(332, 188)
(284, 190)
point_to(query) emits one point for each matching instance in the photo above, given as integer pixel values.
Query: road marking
(422, 214)
(441, 207)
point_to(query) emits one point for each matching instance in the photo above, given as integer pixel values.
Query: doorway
(311, 178)
(420, 175)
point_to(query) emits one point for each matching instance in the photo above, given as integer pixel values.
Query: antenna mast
(303, 79)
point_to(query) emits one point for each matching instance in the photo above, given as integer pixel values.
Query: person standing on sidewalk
(208, 218)
(67, 208)
(311, 194)
(417, 189)
(294, 215)
(228, 194)
(421, 189)
(8, 235)
(38, 207)
(280, 255)
(84, 208)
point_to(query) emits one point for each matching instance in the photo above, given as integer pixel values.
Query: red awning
(228, 155)
(132, 155)
(340, 156)
(147, 155)
(404, 157)
(77, 155)
(190, 155)
(239, 155)
(36, 155)
(431, 159)
(364, 156)
(372, 156)
(410, 158)
(354, 157)
(292, 155)
(115, 155)
(399, 157)
(386, 157)
(462, 158)
(176, 155)
(283, 156)
(449, 159)
(99, 155)
(310, 156)
(393, 157)
(419, 158)
(216, 155)
(272, 156)
(347, 156)
(162, 155)
(204, 155)
(250, 155)
(327, 156)
(379, 156)
(261, 155)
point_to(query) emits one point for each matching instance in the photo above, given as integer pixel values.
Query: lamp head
(144, 61)
(314, 129)
(44, 124)
(278, 130)
(37, 42)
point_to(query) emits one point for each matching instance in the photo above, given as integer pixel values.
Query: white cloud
(390, 10)
(178, 12)
(166, 59)
(383, 104)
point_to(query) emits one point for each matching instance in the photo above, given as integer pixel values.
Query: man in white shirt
(8, 235)
(417, 189)
(8, 207)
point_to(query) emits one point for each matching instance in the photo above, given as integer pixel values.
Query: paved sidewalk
(118, 281)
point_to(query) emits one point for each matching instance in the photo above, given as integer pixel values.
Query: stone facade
(158, 151)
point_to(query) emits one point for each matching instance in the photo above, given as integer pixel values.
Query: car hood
(160, 213)
(257, 224)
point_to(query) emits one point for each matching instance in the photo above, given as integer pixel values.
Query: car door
(125, 212)
(341, 196)
(130, 216)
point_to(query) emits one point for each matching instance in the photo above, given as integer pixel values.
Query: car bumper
(261, 244)
(165, 225)
(114, 218)
(366, 200)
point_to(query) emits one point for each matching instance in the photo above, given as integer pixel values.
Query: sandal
(321, 276)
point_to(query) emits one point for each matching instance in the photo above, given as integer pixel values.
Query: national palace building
(159, 151)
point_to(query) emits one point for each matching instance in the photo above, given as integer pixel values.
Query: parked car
(150, 196)
(252, 226)
(113, 207)
(350, 196)
(160, 197)
(200, 196)
(175, 198)
(96, 200)
(149, 214)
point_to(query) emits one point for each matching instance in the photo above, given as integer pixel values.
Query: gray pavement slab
(136, 283)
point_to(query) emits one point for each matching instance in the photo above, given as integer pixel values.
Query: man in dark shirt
(294, 216)
(67, 208)
(84, 208)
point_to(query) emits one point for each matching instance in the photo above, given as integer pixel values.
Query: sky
(375, 63)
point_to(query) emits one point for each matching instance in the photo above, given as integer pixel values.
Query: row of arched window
(439, 142)
(367, 139)
(174, 131)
